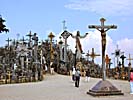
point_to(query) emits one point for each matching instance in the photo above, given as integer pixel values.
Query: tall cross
(103, 29)
(93, 55)
(35, 38)
(30, 40)
(117, 54)
(122, 58)
(130, 59)
(87, 56)
(8, 41)
(64, 25)
(29, 35)
(23, 40)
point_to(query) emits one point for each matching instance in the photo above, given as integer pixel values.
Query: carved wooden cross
(103, 29)
(130, 59)
(117, 54)
(64, 25)
(8, 40)
(30, 41)
(93, 55)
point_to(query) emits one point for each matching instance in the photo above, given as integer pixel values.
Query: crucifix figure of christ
(78, 46)
(104, 87)
(103, 29)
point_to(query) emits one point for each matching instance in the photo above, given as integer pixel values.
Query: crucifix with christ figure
(104, 87)
(103, 29)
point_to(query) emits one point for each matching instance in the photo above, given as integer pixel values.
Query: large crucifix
(104, 87)
(103, 29)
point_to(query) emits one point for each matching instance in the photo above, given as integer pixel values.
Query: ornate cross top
(103, 29)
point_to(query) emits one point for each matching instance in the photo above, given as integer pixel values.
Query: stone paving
(60, 87)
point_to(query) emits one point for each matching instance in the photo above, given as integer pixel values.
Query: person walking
(73, 73)
(87, 74)
(131, 81)
(77, 77)
(52, 68)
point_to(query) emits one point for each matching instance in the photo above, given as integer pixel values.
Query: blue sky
(45, 16)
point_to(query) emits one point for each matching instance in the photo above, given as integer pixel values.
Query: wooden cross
(103, 29)
(117, 54)
(130, 60)
(35, 38)
(23, 40)
(8, 40)
(30, 41)
(29, 35)
(87, 56)
(122, 58)
(93, 55)
(64, 25)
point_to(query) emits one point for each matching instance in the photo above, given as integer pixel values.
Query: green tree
(2, 26)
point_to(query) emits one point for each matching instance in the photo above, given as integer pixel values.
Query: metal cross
(103, 29)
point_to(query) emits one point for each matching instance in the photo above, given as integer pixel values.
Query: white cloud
(103, 7)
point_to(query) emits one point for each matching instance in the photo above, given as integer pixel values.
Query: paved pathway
(59, 87)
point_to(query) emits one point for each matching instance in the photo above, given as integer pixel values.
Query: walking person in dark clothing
(77, 76)
(87, 74)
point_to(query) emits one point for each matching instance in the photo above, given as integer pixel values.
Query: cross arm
(98, 27)
(94, 27)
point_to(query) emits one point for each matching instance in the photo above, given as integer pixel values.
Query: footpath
(60, 87)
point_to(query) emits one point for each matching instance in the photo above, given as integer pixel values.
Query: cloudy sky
(45, 16)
